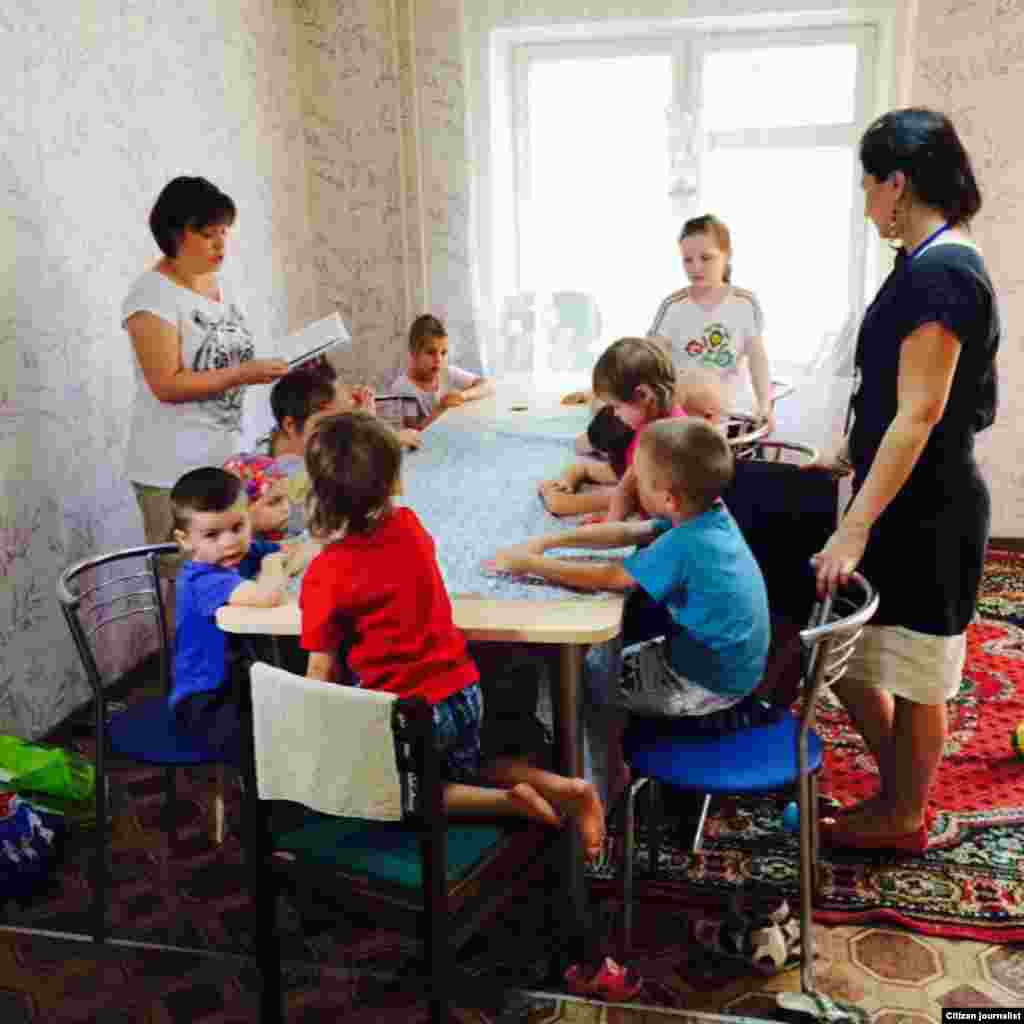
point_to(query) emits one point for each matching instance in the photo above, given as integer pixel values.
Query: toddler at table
(299, 400)
(429, 379)
(696, 567)
(266, 487)
(636, 381)
(222, 561)
(377, 586)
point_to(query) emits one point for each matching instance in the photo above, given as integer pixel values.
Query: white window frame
(782, 136)
(686, 43)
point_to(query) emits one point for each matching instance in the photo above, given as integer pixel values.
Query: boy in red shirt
(377, 587)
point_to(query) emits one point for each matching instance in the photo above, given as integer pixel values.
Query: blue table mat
(476, 491)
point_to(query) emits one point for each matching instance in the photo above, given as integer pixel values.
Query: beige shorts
(919, 667)
(158, 523)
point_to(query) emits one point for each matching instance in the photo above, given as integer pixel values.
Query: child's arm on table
(297, 555)
(268, 590)
(624, 499)
(529, 558)
(482, 387)
(323, 665)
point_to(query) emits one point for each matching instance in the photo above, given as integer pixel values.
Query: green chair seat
(386, 851)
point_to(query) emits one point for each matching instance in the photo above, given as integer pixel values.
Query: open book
(314, 340)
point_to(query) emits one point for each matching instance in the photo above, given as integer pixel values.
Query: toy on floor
(1017, 740)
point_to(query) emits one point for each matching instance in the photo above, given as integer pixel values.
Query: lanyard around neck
(928, 241)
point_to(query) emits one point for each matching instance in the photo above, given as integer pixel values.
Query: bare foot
(533, 804)
(879, 820)
(585, 807)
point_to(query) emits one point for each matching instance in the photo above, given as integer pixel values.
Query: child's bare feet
(536, 807)
(585, 808)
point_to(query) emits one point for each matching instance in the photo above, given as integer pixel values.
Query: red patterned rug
(970, 883)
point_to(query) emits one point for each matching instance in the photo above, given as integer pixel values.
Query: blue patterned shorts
(457, 722)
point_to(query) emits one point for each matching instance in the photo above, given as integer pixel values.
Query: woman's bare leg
(871, 712)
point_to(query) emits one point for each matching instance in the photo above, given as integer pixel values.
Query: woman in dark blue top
(918, 523)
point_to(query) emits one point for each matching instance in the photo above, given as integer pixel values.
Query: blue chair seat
(754, 760)
(385, 851)
(145, 732)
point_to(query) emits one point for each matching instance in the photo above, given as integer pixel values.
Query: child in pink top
(635, 379)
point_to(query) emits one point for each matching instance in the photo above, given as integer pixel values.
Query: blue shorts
(457, 721)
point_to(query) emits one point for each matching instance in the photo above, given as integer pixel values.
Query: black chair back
(786, 515)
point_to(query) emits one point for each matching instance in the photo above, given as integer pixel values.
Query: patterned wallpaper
(338, 126)
(103, 103)
(389, 171)
(969, 62)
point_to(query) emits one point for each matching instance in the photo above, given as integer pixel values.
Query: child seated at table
(696, 566)
(299, 400)
(222, 561)
(429, 379)
(266, 487)
(377, 586)
(636, 381)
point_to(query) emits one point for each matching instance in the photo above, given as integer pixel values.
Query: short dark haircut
(188, 203)
(924, 145)
(353, 460)
(302, 393)
(694, 457)
(629, 362)
(210, 489)
(425, 328)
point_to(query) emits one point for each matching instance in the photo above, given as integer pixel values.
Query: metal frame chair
(787, 753)
(456, 894)
(144, 732)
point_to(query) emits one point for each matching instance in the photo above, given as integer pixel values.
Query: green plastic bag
(33, 768)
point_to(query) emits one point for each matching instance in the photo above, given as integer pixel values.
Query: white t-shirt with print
(717, 339)
(458, 380)
(168, 439)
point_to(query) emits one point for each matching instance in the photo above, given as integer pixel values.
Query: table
(473, 483)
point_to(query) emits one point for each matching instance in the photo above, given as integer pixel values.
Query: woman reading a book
(193, 352)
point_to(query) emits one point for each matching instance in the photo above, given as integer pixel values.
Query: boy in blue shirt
(211, 524)
(696, 566)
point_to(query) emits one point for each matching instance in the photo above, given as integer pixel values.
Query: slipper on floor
(766, 949)
(611, 983)
(836, 833)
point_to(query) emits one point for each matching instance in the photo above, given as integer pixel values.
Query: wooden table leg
(567, 704)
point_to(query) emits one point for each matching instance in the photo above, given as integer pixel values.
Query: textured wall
(103, 103)
(388, 165)
(969, 61)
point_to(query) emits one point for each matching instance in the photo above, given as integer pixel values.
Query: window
(602, 178)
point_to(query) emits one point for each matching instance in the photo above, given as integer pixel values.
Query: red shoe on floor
(611, 983)
(839, 834)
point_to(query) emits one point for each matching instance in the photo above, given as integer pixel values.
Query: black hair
(425, 328)
(210, 489)
(302, 393)
(353, 460)
(188, 203)
(924, 145)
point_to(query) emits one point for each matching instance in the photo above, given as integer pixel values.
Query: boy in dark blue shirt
(211, 523)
